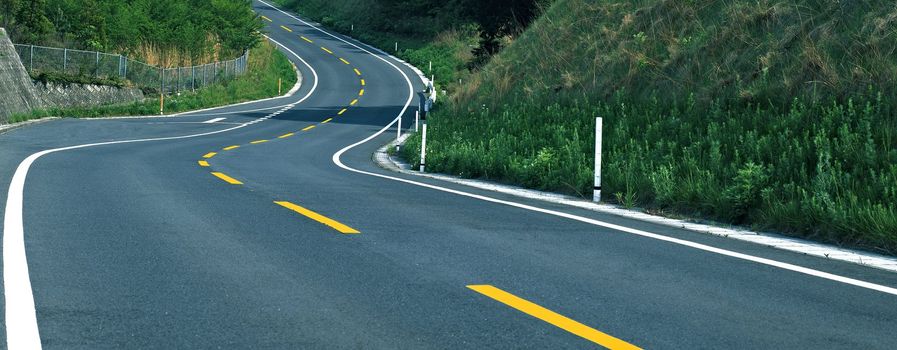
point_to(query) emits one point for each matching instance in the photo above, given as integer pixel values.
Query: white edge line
(791, 267)
(213, 120)
(768, 239)
(21, 320)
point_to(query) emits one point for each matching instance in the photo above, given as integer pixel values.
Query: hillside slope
(775, 114)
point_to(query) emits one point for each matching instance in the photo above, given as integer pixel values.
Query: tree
(500, 18)
(9, 9)
(32, 20)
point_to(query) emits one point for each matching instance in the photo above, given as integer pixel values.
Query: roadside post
(423, 148)
(278, 86)
(416, 120)
(399, 128)
(161, 103)
(596, 191)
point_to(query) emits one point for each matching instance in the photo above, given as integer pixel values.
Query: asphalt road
(137, 245)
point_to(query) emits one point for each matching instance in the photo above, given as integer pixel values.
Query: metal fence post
(31, 59)
(65, 58)
(125, 58)
(177, 88)
(98, 64)
(193, 78)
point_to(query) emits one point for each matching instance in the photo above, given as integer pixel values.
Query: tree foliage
(187, 30)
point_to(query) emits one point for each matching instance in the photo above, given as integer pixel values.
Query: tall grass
(827, 170)
(265, 66)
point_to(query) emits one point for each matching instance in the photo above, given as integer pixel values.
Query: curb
(882, 262)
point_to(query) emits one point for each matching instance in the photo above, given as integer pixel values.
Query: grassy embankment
(266, 66)
(774, 114)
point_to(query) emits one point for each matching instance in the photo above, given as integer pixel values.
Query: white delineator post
(596, 191)
(399, 128)
(423, 148)
(416, 120)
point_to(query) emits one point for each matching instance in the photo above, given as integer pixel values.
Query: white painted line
(215, 120)
(21, 321)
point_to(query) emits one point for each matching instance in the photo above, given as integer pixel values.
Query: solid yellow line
(553, 318)
(361, 92)
(362, 82)
(203, 163)
(228, 148)
(287, 29)
(326, 120)
(209, 155)
(353, 102)
(227, 179)
(318, 217)
(344, 60)
(307, 128)
(326, 50)
(267, 19)
(285, 135)
(258, 142)
(306, 39)
(357, 72)
(342, 111)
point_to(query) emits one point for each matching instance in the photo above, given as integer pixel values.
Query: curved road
(274, 245)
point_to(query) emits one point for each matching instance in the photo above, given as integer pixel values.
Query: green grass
(753, 113)
(266, 66)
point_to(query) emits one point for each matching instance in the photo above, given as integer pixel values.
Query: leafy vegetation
(266, 65)
(775, 113)
(159, 32)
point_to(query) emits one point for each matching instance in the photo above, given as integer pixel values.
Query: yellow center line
(209, 155)
(318, 217)
(342, 111)
(227, 179)
(344, 60)
(203, 163)
(551, 317)
(286, 29)
(307, 128)
(258, 142)
(285, 135)
(326, 50)
(267, 19)
(357, 72)
(361, 92)
(306, 39)
(362, 82)
(353, 102)
(228, 148)
(326, 120)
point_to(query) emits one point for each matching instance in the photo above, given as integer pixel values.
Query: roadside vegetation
(776, 114)
(265, 66)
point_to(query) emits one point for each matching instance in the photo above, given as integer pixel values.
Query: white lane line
(707, 248)
(214, 120)
(21, 320)
(800, 269)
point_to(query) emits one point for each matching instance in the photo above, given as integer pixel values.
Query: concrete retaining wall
(76, 95)
(17, 92)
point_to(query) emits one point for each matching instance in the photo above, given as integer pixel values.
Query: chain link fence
(40, 59)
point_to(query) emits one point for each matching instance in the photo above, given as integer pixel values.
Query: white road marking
(21, 321)
(215, 120)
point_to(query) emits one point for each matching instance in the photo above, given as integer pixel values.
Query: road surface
(182, 240)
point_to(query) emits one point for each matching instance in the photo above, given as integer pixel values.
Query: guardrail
(41, 59)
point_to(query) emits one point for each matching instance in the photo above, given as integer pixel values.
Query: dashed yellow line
(341, 112)
(306, 39)
(227, 179)
(209, 155)
(362, 82)
(551, 317)
(353, 102)
(285, 135)
(318, 217)
(307, 128)
(286, 29)
(326, 50)
(326, 120)
(267, 19)
(344, 60)
(258, 142)
(228, 148)
(203, 163)
(361, 92)
(357, 72)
